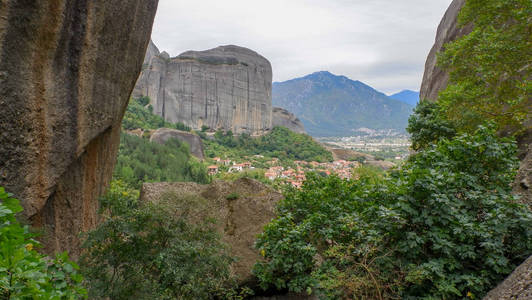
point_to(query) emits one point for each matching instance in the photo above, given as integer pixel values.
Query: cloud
(383, 43)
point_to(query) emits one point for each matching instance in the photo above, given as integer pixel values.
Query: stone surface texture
(434, 78)
(162, 135)
(228, 88)
(67, 69)
(518, 286)
(282, 117)
(238, 220)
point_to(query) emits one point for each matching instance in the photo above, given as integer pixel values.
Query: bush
(162, 251)
(427, 125)
(445, 226)
(26, 274)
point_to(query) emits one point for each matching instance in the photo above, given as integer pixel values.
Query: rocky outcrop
(282, 117)
(162, 135)
(434, 78)
(226, 88)
(518, 286)
(67, 69)
(241, 209)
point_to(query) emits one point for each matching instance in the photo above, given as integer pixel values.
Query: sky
(383, 43)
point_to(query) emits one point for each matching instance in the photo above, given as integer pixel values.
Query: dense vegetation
(490, 68)
(140, 160)
(162, 251)
(26, 274)
(445, 226)
(139, 114)
(281, 143)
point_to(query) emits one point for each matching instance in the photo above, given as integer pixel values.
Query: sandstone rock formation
(434, 78)
(162, 135)
(282, 117)
(227, 88)
(518, 286)
(239, 220)
(67, 69)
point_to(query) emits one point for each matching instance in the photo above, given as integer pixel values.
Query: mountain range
(332, 105)
(407, 96)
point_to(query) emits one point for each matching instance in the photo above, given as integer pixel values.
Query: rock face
(518, 286)
(282, 117)
(67, 69)
(238, 220)
(227, 88)
(161, 135)
(434, 78)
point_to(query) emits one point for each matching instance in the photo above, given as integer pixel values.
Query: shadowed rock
(241, 209)
(164, 134)
(67, 69)
(282, 117)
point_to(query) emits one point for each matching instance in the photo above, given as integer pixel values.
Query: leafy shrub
(428, 124)
(26, 274)
(445, 226)
(156, 251)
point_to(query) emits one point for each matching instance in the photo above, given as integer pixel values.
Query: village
(292, 173)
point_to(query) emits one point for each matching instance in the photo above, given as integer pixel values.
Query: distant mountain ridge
(407, 96)
(332, 105)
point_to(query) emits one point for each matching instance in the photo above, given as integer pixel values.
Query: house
(270, 175)
(216, 159)
(246, 164)
(236, 168)
(211, 170)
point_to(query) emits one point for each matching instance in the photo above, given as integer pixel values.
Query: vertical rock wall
(227, 88)
(434, 78)
(67, 69)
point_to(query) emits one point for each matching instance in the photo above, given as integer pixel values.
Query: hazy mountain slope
(330, 105)
(407, 96)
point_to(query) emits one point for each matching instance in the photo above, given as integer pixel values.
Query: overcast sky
(383, 43)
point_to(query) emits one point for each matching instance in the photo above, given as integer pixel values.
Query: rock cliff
(227, 88)
(67, 69)
(161, 135)
(434, 78)
(239, 219)
(282, 117)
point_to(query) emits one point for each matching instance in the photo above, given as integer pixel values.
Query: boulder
(162, 135)
(228, 88)
(282, 117)
(67, 69)
(434, 78)
(241, 209)
(518, 286)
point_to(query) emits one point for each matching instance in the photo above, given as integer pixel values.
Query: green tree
(444, 226)
(490, 68)
(26, 274)
(428, 124)
(168, 250)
